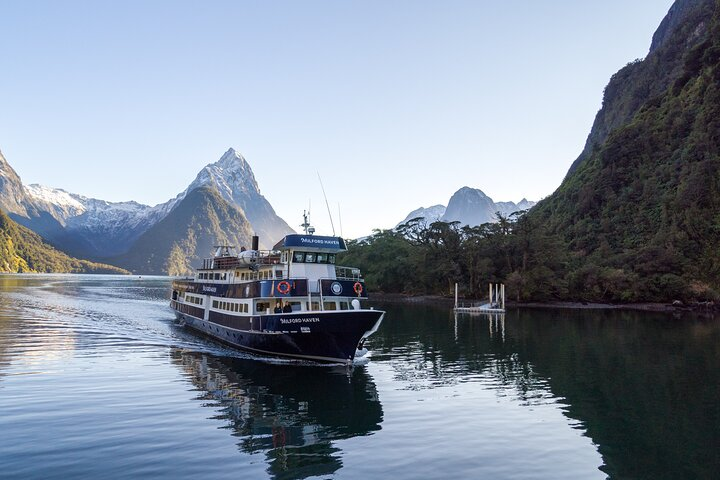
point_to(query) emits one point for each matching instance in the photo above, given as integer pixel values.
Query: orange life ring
(283, 287)
(358, 288)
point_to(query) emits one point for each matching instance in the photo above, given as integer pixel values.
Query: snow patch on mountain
(62, 200)
(429, 214)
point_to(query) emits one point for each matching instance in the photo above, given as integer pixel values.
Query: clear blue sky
(397, 104)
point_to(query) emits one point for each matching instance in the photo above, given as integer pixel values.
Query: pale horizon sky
(396, 104)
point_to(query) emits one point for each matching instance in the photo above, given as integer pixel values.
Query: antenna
(306, 221)
(326, 204)
(309, 229)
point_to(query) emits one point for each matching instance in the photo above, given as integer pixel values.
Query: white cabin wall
(313, 272)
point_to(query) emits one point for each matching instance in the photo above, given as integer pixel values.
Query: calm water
(96, 381)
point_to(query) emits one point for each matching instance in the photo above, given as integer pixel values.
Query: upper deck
(307, 257)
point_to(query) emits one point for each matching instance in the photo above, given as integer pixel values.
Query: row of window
(262, 307)
(261, 275)
(230, 307)
(212, 276)
(312, 257)
(193, 299)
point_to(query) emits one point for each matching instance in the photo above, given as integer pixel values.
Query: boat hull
(324, 336)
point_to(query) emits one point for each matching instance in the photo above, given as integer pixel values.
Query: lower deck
(321, 336)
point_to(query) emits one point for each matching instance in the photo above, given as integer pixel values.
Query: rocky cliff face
(13, 198)
(640, 211)
(684, 27)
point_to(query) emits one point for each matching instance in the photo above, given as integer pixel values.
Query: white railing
(348, 273)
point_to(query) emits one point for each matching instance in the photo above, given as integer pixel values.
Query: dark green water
(97, 381)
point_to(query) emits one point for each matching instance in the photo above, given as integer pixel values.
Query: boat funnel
(255, 242)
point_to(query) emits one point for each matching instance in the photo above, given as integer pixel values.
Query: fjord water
(97, 381)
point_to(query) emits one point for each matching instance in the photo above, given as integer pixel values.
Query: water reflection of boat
(295, 422)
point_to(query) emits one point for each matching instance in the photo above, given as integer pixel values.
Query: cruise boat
(292, 301)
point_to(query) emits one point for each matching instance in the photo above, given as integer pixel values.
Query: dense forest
(23, 251)
(638, 219)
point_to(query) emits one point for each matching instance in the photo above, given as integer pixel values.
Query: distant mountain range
(469, 206)
(126, 233)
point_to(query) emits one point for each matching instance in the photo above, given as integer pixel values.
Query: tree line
(519, 250)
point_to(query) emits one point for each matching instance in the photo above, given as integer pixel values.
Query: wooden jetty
(495, 304)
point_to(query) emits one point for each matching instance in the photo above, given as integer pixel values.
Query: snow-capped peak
(231, 175)
(56, 196)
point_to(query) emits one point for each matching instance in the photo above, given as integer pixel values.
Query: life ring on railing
(358, 288)
(283, 287)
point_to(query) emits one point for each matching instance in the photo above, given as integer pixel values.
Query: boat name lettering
(209, 289)
(300, 320)
(321, 241)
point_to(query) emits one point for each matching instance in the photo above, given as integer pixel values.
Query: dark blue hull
(327, 336)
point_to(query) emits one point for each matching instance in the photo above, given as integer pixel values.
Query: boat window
(329, 306)
(262, 307)
(331, 258)
(309, 257)
(278, 273)
(322, 258)
(299, 257)
(344, 306)
(215, 304)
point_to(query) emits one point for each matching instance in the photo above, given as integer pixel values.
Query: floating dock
(495, 304)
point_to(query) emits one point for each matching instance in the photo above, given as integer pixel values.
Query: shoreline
(708, 307)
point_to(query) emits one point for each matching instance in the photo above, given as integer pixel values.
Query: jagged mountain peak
(464, 191)
(231, 175)
(469, 206)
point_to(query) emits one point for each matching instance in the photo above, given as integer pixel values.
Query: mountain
(684, 27)
(469, 206)
(22, 250)
(88, 226)
(81, 226)
(202, 219)
(97, 229)
(640, 211)
(234, 180)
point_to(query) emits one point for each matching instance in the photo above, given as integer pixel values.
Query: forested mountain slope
(22, 250)
(644, 207)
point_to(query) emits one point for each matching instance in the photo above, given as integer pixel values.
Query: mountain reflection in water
(293, 423)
